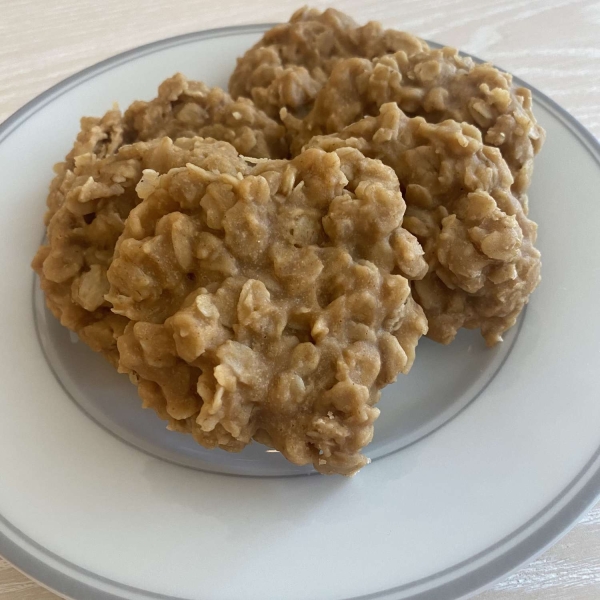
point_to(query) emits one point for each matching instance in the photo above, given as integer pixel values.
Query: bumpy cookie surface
(438, 85)
(99, 137)
(271, 305)
(292, 61)
(94, 189)
(186, 108)
(96, 196)
(477, 240)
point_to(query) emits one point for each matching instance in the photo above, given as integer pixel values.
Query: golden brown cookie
(97, 195)
(292, 61)
(477, 240)
(186, 108)
(437, 84)
(270, 305)
(182, 108)
(94, 189)
(99, 137)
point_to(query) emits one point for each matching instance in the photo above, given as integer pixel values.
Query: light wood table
(553, 44)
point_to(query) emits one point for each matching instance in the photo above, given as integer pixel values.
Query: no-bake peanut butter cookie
(270, 305)
(478, 242)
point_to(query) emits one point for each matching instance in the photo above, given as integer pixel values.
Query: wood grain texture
(553, 44)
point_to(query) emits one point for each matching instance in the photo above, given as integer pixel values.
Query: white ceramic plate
(482, 457)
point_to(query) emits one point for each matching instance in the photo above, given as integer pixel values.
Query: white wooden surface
(553, 44)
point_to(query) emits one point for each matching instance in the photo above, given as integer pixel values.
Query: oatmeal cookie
(292, 61)
(96, 196)
(477, 240)
(438, 85)
(99, 137)
(185, 108)
(271, 305)
(94, 189)
(182, 108)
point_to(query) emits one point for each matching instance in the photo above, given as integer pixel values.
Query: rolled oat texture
(272, 304)
(186, 108)
(94, 190)
(290, 64)
(96, 196)
(478, 242)
(437, 84)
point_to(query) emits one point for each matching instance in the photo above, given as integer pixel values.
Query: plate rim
(536, 542)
